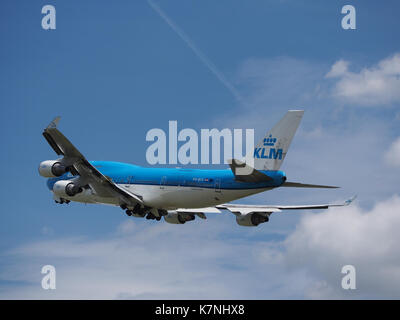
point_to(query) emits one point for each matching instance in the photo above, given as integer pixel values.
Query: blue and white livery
(178, 195)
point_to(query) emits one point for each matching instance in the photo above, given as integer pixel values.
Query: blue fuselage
(123, 173)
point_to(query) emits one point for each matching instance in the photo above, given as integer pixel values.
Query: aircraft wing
(200, 212)
(238, 209)
(264, 210)
(101, 184)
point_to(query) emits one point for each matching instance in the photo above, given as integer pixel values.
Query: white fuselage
(172, 197)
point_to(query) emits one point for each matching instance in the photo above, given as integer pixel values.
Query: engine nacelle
(66, 188)
(52, 169)
(251, 219)
(176, 218)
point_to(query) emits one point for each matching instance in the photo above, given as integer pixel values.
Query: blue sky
(114, 70)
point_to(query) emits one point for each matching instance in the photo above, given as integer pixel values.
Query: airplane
(177, 194)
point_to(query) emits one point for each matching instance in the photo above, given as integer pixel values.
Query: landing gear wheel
(162, 212)
(128, 212)
(158, 218)
(150, 216)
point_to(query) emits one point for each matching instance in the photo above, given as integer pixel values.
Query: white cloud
(340, 68)
(216, 259)
(392, 156)
(375, 86)
(367, 239)
(200, 260)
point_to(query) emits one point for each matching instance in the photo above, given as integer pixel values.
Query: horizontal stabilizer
(304, 185)
(249, 174)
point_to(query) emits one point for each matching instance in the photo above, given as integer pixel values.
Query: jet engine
(252, 219)
(52, 168)
(66, 188)
(177, 218)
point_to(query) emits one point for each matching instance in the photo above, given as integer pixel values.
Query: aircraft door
(163, 182)
(218, 185)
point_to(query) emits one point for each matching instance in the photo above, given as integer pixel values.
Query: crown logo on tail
(269, 141)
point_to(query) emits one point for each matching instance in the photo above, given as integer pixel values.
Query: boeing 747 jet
(177, 194)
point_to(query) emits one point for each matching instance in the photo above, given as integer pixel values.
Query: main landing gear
(62, 200)
(134, 213)
(128, 213)
(151, 216)
(138, 211)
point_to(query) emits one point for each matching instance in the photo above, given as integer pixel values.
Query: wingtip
(54, 123)
(349, 201)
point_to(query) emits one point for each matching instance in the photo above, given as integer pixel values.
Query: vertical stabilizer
(270, 152)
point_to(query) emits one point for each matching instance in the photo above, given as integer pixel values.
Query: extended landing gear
(62, 200)
(129, 213)
(140, 212)
(134, 213)
(151, 216)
